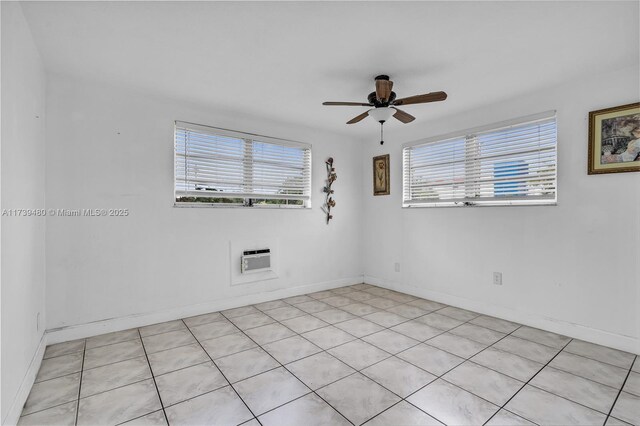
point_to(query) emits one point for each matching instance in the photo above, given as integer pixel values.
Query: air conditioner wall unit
(255, 261)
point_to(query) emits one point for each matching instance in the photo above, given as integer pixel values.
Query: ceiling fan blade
(421, 99)
(403, 116)
(345, 104)
(358, 118)
(383, 89)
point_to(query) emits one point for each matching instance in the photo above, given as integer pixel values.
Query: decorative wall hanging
(381, 184)
(331, 177)
(614, 140)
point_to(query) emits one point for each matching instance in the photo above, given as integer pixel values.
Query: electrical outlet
(397, 267)
(497, 278)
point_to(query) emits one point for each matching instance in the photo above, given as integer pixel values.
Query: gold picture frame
(381, 182)
(614, 140)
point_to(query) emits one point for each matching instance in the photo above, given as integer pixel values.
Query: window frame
(254, 137)
(472, 133)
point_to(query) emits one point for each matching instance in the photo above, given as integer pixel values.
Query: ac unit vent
(255, 261)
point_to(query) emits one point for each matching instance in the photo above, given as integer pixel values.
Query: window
(505, 164)
(221, 167)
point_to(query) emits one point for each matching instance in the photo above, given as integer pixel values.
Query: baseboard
(64, 334)
(577, 331)
(13, 415)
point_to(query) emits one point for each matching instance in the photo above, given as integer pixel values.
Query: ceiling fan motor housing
(373, 100)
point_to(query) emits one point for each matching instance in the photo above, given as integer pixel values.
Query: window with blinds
(222, 167)
(505, 164)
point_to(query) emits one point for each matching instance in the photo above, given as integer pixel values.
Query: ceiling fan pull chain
(381, 133)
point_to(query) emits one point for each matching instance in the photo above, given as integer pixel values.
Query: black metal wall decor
(331, 177)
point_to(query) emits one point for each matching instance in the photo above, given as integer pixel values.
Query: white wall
(573, 267)
(113, 148)
(23, 177)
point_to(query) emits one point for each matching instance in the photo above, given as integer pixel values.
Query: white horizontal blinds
(207, 164)
(508, 165)
(518, 162)
(281, 171)
(230, 166)
(435, 171)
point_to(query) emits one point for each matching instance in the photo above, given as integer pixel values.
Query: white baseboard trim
(81, 331)
(577, 331)
(13, 415)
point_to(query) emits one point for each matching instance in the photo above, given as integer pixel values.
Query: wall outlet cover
(497, 278)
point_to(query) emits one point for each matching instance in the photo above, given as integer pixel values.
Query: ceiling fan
(384, 104)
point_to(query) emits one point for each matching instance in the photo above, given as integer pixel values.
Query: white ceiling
(281, 60)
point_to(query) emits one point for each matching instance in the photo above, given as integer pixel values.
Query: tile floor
(352, 355)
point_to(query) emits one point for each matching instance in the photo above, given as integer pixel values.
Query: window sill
(432, 206)
(238, 206)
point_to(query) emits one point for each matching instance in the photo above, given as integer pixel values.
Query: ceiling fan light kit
(384, 103)
(381, 114)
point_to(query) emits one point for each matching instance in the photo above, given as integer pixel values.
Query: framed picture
(614, 140)
(381, 175)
